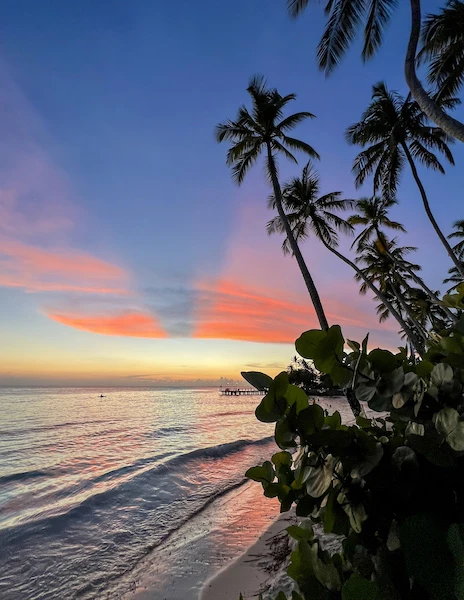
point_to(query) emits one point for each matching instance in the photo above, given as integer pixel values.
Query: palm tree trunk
(411, 335)
(350, 394)
(293, 244)
(425, 201)
(449, 125)
(416, 278)
(404, 305)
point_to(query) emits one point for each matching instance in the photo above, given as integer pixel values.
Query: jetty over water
(230, 391)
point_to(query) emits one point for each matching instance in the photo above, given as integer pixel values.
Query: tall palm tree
(307, 213)
(443, 48)
(395, 131)
(379, 268)
(373, 214)
(265, 130)
(346, 17)
(458, 234)
(455, 278)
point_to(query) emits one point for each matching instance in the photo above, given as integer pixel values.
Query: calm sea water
(90, 486)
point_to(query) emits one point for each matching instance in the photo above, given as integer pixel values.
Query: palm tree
(455, 278)
(458, 249)
(443, 48)
(307, 213)
(395, 131)
(265, 130)
(383, 271)
(346, 17)
(373, 214)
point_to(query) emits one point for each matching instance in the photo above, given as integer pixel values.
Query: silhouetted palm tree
(373, 214)
(395, 131)
(307, 213)
(264, 130)
(344, 20)
(455, 278)
(380, 269)
(443, 48)
(458, 249)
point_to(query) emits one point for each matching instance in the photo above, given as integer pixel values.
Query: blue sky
(109, 160)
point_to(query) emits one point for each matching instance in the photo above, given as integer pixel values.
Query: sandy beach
(259, 570)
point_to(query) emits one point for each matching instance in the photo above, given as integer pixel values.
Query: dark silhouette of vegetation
(345, 18)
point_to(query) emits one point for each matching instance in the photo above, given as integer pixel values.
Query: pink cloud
(125, 324)
(227, 310)
(35, 269)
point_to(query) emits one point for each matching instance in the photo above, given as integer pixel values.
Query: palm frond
(378, 16)
(295, 119)
(344, 18)
(300, 145)
(296, 7)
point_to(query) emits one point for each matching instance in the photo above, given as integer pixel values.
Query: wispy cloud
(36, 270)
(231, 311)
(126, 324)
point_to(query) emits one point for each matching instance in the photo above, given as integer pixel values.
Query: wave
(23, 476)
(176, 466)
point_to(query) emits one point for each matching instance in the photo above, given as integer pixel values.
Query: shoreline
(202, 548)
(260, 569)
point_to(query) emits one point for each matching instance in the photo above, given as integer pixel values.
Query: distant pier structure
(234, 391)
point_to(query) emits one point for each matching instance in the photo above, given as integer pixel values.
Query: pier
(241, 392)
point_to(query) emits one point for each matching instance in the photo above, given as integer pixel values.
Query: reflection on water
(89, 485)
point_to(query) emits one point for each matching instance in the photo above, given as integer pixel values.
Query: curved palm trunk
(404, 305)
(350, 394)
(425, 202)
(411, 335)
(416, 279)
(294, 246)
(451, 126)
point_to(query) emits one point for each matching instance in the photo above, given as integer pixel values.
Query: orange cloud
(36, 270)
(126, 324)
(228, 311)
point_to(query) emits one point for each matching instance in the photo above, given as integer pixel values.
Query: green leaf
(297, 396)
(311, 419)
(325, 349)
(363, 422)
(318, 479)
(442, 374)
(281, 384)
(391, 383)
(268, 410)
(258, 380)
(307, 345)
(282, 458)
(358, 588)
(448, 423)
(333, 421)
(370, 461)
(365, 392)
(284, 435)
(263, 474)
(382, 361)
(301, 532)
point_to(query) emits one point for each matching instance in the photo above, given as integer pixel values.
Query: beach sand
(260, 569)
(211, 543)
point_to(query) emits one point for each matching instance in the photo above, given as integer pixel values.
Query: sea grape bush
(391, 486)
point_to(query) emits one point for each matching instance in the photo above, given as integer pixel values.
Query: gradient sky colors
(127, 256)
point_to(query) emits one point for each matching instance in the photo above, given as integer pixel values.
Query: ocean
(94, 491)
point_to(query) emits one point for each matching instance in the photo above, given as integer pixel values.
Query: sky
(127, 254)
